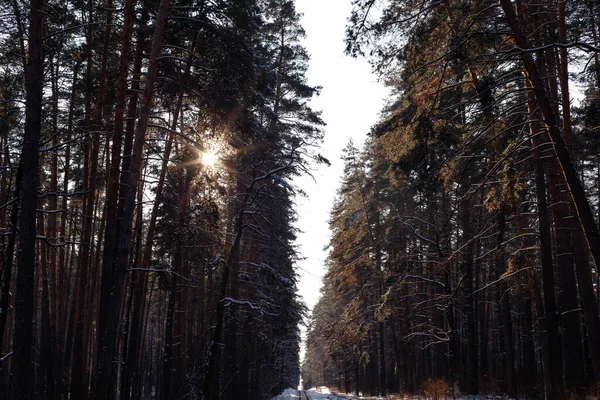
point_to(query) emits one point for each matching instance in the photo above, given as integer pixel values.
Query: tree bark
(471, 330)
(576, 189)
(23, 335)
(169, 354)
(553, 348)
(112, 190)
(112, 278)
(212, 377)
(79, 385)
(131, 373)
(6, 277)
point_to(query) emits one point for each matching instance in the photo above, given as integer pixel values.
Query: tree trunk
(78, 388)
(130, 372)
(79, 385)
(47, 342)
(553, 348)
(576, 190)
(471, 334)
(112, 282)
(212, 378)
(24, 313)
(112, 189)
(582, 265)
(505, 311)
(7, 265)
(381, 381)
(568, 304)
(169, 354)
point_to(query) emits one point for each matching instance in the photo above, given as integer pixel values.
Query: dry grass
(436, 389)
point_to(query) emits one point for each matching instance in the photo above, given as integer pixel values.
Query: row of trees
(464, 236)
(130, 268)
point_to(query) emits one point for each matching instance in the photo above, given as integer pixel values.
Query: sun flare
(209, 158)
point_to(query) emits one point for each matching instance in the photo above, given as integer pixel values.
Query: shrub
(435, 389)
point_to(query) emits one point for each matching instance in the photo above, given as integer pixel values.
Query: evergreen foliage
(150, 273)
(473, 201)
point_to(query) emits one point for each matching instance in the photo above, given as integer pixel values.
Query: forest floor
(323, 393)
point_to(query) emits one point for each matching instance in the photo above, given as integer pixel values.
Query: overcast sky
(351, 101)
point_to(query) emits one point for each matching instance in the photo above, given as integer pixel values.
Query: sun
(209, 158)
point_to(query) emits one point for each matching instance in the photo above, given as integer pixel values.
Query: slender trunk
(584, 274)
(61, 283)
(212, 377)
(169, 354)
(51, 276)
(138, 279)
(47, 342)
(471, 334)
(575, 187)
(553, 348)
(568, 304)
(565, 247)
(112, 190)
(89, 336)
(588, 300)
(72, 300)
(165, 393)
(131, 373)
(23, 334)
(357, 376)
(129, 295)
(7, 269)
(112, 284)
(381, 365)
(79, 386)
(507, 331)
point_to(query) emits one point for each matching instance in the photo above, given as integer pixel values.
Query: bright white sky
(351, 101)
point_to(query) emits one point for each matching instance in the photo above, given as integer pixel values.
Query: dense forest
(147, 240)
(465, 248)
(148, 150)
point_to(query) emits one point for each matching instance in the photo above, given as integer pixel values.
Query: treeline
(464, 239)
(131, 266)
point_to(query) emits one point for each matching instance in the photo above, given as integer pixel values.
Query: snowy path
(311, 394)
(321, 393)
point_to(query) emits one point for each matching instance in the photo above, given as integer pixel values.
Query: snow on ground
(320, 393)
(323, 393)
(288, 394)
